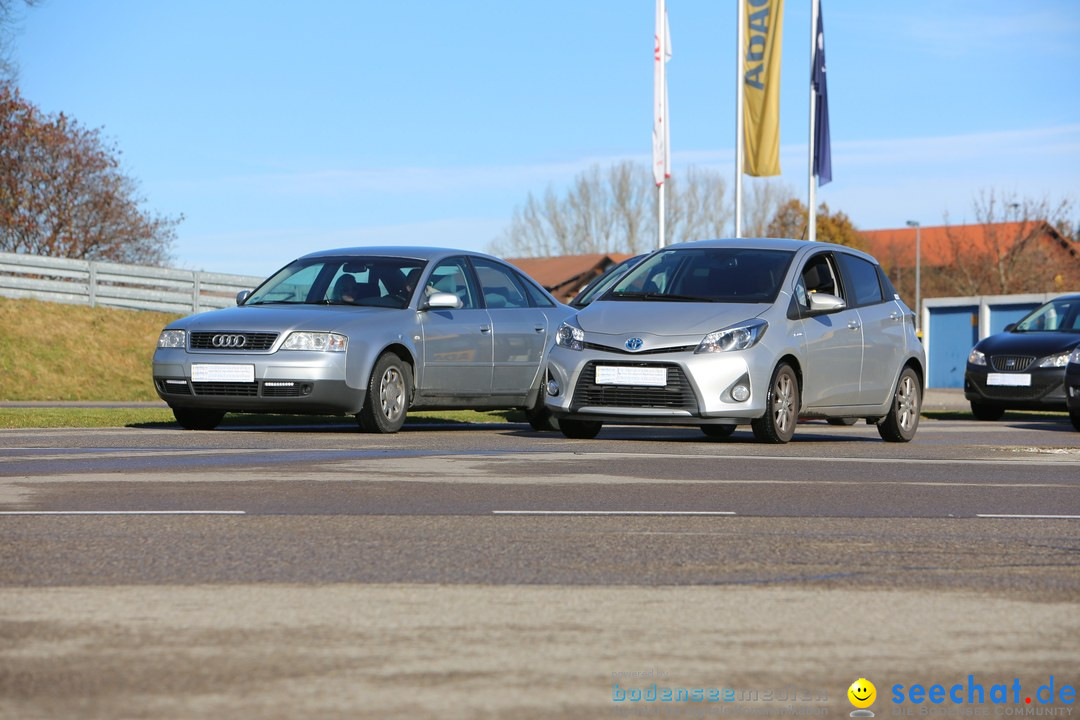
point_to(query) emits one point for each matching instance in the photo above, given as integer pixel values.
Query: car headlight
(1075, 357)
(737, 337)
(977, 358)
(570, 337)
(321, 341)
(172, 339)
(1054, 361)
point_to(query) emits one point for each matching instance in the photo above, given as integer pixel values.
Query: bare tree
(763, 203)
(62, 192)
(9, 26)
(614, 210)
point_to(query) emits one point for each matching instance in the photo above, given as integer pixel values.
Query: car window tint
(341, 280)
(863, 278)
(536, 296)
(452, 276)
(1059, 314)
(719, 274)
(818, 276)
(500, 288)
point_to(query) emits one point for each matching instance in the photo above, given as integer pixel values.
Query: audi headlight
(321, 341)
(737, 337)
(570, 337)
(172, 339)
(1055, 361)
(976, 358)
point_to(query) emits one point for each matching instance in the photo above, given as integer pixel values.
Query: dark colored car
(1023, 368)
(1072, 387)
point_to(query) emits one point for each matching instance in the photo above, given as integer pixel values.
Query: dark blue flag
(822, 146)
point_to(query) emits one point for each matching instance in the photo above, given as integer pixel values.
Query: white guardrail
(136, 287)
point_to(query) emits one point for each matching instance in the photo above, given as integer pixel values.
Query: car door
(883, 331)
(833, 341)
(519, 330)
(457, 342)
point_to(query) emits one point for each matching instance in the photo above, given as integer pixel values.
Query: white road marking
(1032, 517)
(123, 512)
(611, 512)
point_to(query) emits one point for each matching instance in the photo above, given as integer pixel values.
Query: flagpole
(660, 219)
(739, 149)
(811, 220)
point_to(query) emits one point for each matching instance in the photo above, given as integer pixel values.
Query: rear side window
(501, 289)
(862, 280)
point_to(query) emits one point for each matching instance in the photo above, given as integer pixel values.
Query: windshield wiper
(273, 302)
(661, 296)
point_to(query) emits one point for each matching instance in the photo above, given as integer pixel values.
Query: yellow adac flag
(761, 85)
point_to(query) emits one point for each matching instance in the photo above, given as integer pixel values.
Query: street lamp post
(918, 275)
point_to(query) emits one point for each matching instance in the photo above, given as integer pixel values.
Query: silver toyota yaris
(721, 333)
(372, 332)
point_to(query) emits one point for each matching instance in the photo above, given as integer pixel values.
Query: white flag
(661, 135)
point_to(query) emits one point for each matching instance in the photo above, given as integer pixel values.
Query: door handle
(895, 316)
(853, 325)
(485, 328)
(540, 328)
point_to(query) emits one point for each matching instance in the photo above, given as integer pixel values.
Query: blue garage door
(953, 332)
(1002, 315)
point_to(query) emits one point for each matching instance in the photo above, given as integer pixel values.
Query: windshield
(601, 284)
(371, 281)
(1061, 315)
(732, 275)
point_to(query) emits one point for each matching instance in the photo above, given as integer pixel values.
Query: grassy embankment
(56, 352)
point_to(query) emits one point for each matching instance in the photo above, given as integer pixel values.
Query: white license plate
(203, 372)
(1009, 379)
(611, 375)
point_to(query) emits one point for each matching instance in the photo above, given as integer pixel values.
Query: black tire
(1074, 418)
(842, 421)
(388, 397)
(196, 419)
(903, 418)
(781, 408)
(539, 417)
(718, 432)
(985, 411)
(580, 429)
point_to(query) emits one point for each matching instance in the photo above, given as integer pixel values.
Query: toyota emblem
(228, 341)
(634, 344)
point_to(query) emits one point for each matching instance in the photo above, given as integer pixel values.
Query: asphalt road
(490, 571)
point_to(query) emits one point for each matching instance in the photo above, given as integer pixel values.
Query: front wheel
(539, 417)
(985, 411)
(903, 418)
(195, 419)
(580, 429)
(388, 395)
(718, 432)
(781, 408)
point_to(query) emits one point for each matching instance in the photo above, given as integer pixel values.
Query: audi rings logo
(228, 341)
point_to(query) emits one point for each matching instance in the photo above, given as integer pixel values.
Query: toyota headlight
(172, 339)
(570, 337)
(976, 358)
(737, 337)
(319, 341)
(1055, 361)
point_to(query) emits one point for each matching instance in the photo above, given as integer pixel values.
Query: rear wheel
(196, 419)
(580, 429)
(718, 432)
(781, 408)
(986, 411)
(388, 395)
(903, 418)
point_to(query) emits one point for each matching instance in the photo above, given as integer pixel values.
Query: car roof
(789, 244)
(400, 251)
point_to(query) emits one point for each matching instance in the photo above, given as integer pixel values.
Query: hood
(663, 319)
(1037, 344)
(279, 318)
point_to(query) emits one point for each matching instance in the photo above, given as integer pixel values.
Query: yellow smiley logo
(862, 693)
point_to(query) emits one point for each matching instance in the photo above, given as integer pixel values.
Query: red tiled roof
(941, 244)
(567, 273)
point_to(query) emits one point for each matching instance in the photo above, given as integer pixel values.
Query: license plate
(614, 375)
(1009, 379)
(203, 372)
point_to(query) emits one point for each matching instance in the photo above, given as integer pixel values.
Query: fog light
(553, 388)
(741, 393)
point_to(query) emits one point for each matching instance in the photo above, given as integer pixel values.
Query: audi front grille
(233, 341)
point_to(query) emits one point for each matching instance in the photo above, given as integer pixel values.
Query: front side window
(732, 275)
(1062, 315)
(452, 276)
(368, 281)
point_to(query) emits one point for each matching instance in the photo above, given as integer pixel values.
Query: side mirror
(821, 303)
(448, 301)
(242, 296)
(1010, 327)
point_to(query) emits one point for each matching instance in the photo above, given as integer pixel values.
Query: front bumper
(1046, 390)
(289, 382)
(698, 389)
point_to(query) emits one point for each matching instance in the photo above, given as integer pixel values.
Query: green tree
(790, 221)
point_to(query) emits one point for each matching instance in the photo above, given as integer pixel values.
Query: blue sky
(281, 128)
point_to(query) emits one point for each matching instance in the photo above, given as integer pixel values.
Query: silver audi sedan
(371, 332)
(722, 333)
